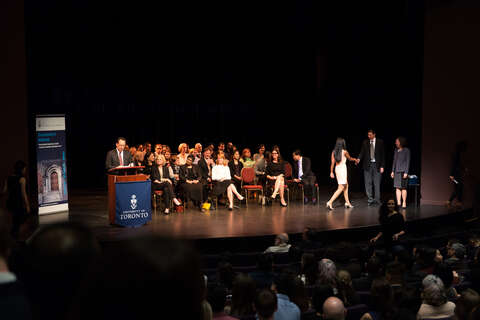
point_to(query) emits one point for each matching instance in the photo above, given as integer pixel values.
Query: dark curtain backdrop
(294, 74)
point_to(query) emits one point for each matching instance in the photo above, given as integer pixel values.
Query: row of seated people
(410, 284)
(199, 175)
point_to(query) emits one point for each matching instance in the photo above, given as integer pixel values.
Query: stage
(90, 208)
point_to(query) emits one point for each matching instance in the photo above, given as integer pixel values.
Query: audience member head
(190, 159)
(320, 294)
(474, 240)
(457, 250)
(275, 156)
(121, 286)
(425, 256)
(148, 147)
(333, 309)
(327, 272)
(265, 262)
(207, 153)
(309, 234)
(374, 267)
(150, 158)
(394, 272)
(468, 301)
(243, 294)
(297, 154)
(198, 147)
(158, 148)
(221, 161)
(160, 160)
(281, 239)
(121, 143)
(182, 148)
(261, 149)
(345, 287)
(246, 154)
(433, 291)
(139, 156)
(265, 304)
(438, 256)
(267, 156)
(168, 156)
(221, 146)
(236, 155)
(133, 150)
(140, 147)
(225, 274)
(57, 260)
(217, 297)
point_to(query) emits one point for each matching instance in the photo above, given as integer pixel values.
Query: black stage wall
(295, 74)
(13, 90)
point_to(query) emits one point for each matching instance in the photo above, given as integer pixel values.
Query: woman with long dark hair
(338, 161)
(392, 225)
(275, 172)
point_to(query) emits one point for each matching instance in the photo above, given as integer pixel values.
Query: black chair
(356, 312)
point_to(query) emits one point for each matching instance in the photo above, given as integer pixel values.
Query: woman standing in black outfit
(190, 177)
(392, 225)
(275, 172)
(17, 199)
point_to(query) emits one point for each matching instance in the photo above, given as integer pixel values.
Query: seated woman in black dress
(149, 162)
(162, 176)
(236, 167)
(275, 173)
(392, 225)
(221, 175)
(190, 181)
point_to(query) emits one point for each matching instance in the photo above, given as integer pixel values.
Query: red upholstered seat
(251, 187)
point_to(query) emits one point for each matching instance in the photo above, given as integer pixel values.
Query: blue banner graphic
(133, 206)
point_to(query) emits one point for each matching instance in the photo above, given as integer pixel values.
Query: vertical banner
(51, 164)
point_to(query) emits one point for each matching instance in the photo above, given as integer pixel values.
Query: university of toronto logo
(133, 202)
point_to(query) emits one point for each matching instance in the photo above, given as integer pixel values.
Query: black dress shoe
(230, 208)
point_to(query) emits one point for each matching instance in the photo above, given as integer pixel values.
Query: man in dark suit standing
(302, 172)
(118, 157)
(372, 156)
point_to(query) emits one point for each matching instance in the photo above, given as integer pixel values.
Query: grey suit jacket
(401, 161)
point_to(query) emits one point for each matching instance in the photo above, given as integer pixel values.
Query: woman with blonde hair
(221, 174)
(182, 153)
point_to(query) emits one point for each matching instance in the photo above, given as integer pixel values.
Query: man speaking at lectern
(118, 157)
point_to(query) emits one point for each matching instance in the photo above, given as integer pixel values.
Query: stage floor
(90, 208)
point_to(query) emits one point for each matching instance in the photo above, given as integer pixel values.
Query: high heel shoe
(283, 205)
(348, 206)
(329, 206)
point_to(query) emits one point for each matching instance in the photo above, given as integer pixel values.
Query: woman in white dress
(221, 174)
(339, 160)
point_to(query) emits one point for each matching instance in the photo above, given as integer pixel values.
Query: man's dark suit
(205, 173)
(113, 161)
(308, 177)
(371, 170)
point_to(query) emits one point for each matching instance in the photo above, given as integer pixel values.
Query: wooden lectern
(120, 174)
